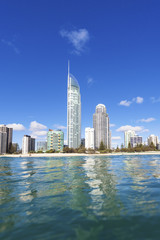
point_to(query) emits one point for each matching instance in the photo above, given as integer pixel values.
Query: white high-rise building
(153, 139)
(89, 138)
(26, 144)
(101, 127)
(73, 112)
(127, 135)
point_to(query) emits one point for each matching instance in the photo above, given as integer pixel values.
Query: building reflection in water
(140, 174)
(102, 183)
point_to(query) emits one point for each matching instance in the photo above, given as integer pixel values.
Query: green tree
(101, 147)
(129, 145)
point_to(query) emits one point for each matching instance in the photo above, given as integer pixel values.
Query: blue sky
(114, 52)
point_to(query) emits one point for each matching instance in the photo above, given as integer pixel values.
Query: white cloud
(139, 100)
(144, 130)
(40, 133)
(16, 126)
(155, 100)
(128, 127)
(37, 129)
(147, 120)
(35, 126)
(125, 103)
(116, 138)
(59, 126)
(112, 125)
(90, 81)
(11, 44)
(78, 38)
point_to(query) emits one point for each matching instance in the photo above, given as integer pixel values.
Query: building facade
(55, 140)
(42, 146)
(3, 142)
(28, 144)
(127, 135)
(33, 144)
(152, 139)
(136, 140)
(101, 127)
(89, 138)
(6, 138)
(73, 112)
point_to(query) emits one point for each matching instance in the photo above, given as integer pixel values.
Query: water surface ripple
(93, 197)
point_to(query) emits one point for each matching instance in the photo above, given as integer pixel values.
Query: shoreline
(79, 154)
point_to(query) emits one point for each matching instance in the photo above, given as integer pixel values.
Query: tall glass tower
(73, 112)
(101, 127)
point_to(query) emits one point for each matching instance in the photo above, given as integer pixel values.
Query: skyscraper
(7, 141)
(101, 127)
(3, 142)
(73, 112)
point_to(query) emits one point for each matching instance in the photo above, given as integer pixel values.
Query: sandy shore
(77, 154)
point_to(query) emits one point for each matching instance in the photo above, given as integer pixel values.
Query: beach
(79, 154)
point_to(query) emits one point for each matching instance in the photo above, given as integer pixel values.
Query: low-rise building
(42, 146)
(55, 140)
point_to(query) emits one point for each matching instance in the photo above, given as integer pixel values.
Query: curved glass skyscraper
(73, 112)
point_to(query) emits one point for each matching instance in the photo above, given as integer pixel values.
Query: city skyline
(115, 62)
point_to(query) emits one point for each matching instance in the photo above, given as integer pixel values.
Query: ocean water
(93, 197)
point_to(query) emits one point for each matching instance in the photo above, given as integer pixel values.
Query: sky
(114, 52)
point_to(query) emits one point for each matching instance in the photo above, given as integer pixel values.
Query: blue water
(97, 197)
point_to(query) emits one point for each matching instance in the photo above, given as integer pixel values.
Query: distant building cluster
(131, 139)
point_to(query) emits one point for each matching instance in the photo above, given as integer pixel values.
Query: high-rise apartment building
(127, 135)
(7, 141)
(55, 140)
(153, 139)
(89, 138)
(73, 112)
(33, 144)
(3, 142)
(101, 127)
(28, 144)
